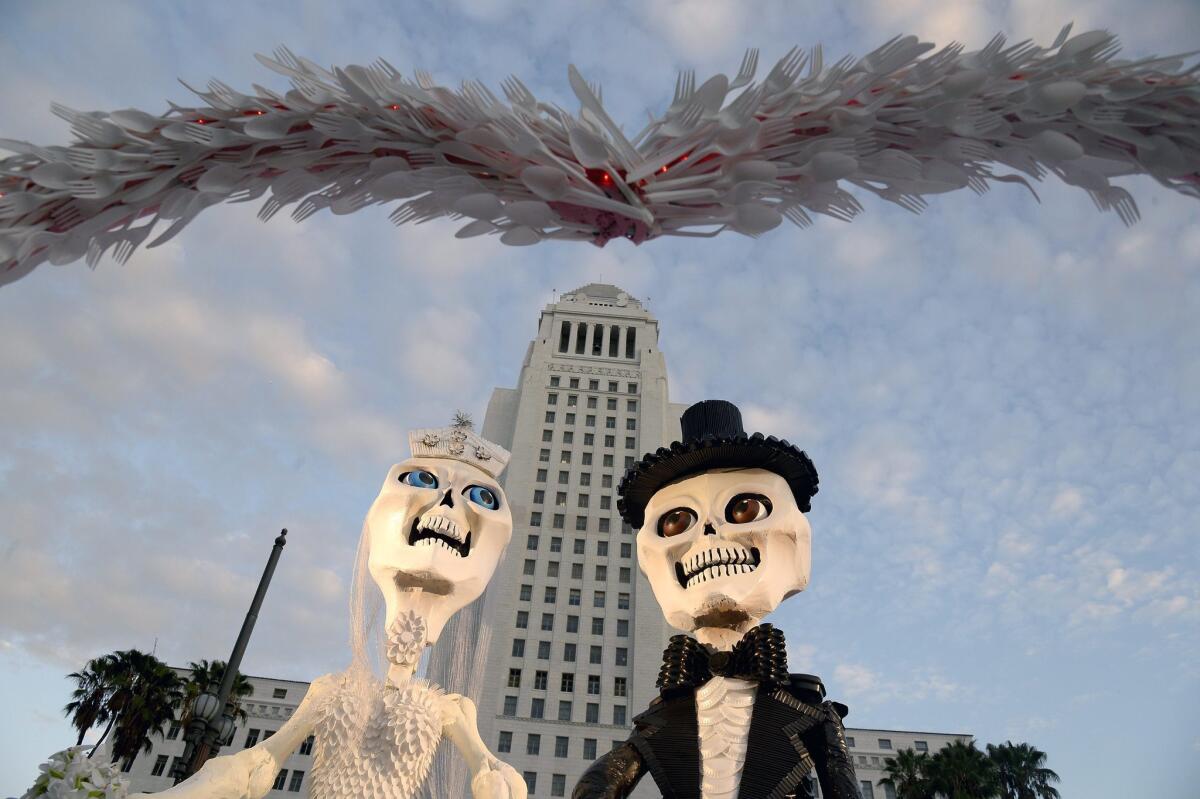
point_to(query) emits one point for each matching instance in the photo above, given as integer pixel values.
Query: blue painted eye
(483, 496)
(419, 479)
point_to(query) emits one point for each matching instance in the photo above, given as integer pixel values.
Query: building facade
(577, 636)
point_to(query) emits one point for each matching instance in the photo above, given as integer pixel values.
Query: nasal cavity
(448, 500)
(709, 529)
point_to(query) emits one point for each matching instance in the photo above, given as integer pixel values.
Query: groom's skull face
(438, 525)
(724, 548)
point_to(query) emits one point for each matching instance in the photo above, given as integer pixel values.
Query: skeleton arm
(613, 776)
(250, 773)
(826, 742)
(491, 778)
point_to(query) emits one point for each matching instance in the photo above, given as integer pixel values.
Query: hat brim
(683, 459)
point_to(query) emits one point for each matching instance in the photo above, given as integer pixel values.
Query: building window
(531, 542)
(601, 572)
(552, 592)
(580, 340)
(624, 574)
(593, 385)
(610, 404)
(533, 744)
(603, 522)
(606, 502)
(595, 655)
(554, 379)
(547, 622)
(597, 343)
(518, 648)
(622, 601)
(584, 499)
(632, 388)
(589, 421)
(888, 791)
(514, 678)
(267, 734)
(612, 386)
(537, 708)
(574, 382)
(160, 765)
(580, 523)
(535, 517)
(631, 423)
(504, 744)
(585, 479)
(610, 423)
(885, 743)
(630, 442)
(622, 656)
(564, 712)
(567, 684)
(593, 713)
(850, 741)
(591, 403)
(568, 437)
(558, 522)
(539, 680)
(589, 439)
(602, 549)
(173, 731)
(530, 781)
(569, 653)
(614, 336)
(552, 568)
(576, 571)
(572, 400)
(564, 341)
(306, 746)
(570, 418)
(597, 626)
(598, 599)
(562, 743)
(594, 684)
(251, 738)
(618, 686)
(556, 544)
(574, 597)
(541, 475)
(572, 624)
(619, 715)
(628, 461)
(589, 748)
(526, 593)
(921, 746)
(866, 789)
(522, 619)
(543, 650)
(610, 441)
(549, 419)
(547, 436)
(296, 781)
(631, 406)
(626, 549)
(608, 459)
(558, 784)
(544, 455)
(565, 457)
(551, 399)
(280, 779)
(622, 628)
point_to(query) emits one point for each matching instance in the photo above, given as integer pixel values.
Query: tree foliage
(962, 771)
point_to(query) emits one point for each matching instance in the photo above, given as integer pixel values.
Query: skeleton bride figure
(430, 543)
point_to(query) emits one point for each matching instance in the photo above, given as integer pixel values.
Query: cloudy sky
(1001, 396)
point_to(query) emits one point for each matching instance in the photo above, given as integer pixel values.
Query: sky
(1000, 395)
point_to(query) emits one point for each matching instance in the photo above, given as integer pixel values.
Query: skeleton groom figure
(723, 540)
(430, 544)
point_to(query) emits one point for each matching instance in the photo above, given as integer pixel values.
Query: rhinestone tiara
(458, 444)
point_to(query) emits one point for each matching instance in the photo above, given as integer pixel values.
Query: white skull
(723, 548)
(438, 525)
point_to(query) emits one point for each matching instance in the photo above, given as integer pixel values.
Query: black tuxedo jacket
(792, 732)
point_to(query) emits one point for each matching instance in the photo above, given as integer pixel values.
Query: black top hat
(713, 438)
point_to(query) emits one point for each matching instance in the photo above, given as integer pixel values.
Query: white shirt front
(724, 707)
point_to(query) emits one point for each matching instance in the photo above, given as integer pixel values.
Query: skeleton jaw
(723, 560)
(436, 530)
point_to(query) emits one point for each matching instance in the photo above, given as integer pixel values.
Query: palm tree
(907, 774)
(206, 676)
(1022, 771)
(961, 771)
(92, 687)
(149, 704)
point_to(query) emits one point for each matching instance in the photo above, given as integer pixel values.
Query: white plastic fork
(746, 70)
(685, 87)
(96, 187)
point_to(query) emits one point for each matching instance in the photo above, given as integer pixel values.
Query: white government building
(577, 636)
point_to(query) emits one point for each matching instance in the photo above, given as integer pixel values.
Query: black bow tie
(761, 656)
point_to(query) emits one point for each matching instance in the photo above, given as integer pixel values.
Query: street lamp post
(212, 717)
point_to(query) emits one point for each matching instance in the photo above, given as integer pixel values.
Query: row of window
(592, 403)
(559, 521)
(281, 779)
(885, 744)
(560, 501)
(594, 385)
(610, 442)
(567, 682)
(562, 749)
(595, 653)
(537, 710)
(532, 541)
(575, 597)
(624, 573)
(610, 423)
(572, 624)
(599, 334)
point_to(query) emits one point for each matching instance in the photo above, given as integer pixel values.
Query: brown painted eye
(675, 522)
(745, 508)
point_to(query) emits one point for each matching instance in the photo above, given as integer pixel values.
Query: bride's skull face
(724, 548)
(438, 525)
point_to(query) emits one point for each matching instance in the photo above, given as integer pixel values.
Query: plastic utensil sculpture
(723, 541)
(430, 543)
(897, 123)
